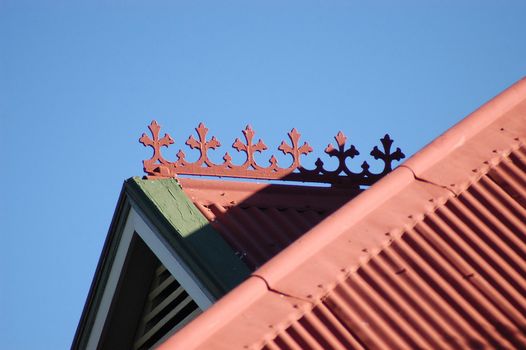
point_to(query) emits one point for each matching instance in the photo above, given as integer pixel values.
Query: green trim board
(189, 233)
(183, 228)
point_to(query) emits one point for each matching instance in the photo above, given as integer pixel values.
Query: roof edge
(465, 129)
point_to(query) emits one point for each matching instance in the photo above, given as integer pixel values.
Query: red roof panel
(260, 220)
(432, 256)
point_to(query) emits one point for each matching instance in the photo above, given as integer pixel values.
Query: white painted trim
(172, 262)
(111, 286)
(137, 224)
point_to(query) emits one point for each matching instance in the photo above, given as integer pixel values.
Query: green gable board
(188, 232)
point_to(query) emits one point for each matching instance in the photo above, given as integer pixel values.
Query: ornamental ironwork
(159, 167)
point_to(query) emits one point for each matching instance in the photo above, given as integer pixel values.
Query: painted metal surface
(158, 166)
(456, 280)
(260, 220)
(430, 257)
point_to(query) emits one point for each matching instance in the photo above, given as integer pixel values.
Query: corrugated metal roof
(454, 280)
(430, 257)
(260, 220)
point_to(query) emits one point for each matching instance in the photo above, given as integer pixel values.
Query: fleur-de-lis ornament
(156, 143)
(295, 150)
(249, 148)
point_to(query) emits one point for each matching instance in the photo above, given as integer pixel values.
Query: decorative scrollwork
(158, 166)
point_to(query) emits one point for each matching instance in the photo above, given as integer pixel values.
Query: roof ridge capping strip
(288, 260)
(468, 127)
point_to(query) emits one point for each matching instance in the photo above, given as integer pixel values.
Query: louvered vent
(168, 308)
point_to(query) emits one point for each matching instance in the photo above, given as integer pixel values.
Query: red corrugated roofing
(430, 257)
(260, 220)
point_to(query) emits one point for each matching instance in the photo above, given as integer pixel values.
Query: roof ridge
(465, 129)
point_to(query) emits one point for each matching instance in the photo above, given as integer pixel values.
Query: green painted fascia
(189, 233)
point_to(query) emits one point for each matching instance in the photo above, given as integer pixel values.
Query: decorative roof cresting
(158, 167)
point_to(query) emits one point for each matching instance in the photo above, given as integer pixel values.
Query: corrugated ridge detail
(455, 280)
(511, 175)
(318, 329)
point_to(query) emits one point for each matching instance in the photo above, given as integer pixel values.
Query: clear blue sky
(80, 81)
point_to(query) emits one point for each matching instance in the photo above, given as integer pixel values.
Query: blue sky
(80, 81)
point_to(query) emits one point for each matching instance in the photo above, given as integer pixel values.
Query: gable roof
(431, 256)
